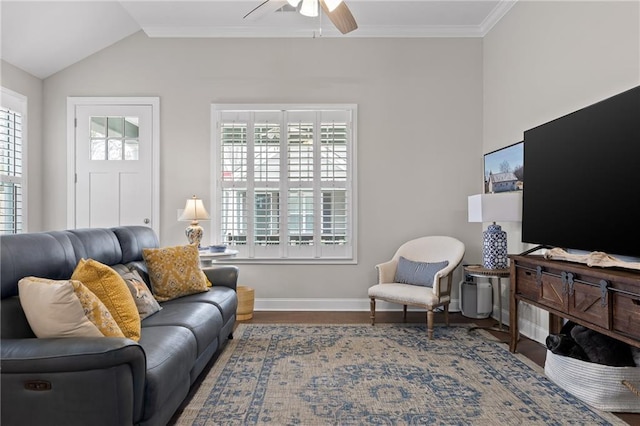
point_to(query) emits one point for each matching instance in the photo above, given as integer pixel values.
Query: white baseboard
(353, 305)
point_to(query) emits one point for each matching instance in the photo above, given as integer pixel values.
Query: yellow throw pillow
(113, 292)
(175, 271)
(96, 311)
(64, 309)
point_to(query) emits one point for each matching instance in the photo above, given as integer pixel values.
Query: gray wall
(419, 126)
(544, 60)
(428, 110)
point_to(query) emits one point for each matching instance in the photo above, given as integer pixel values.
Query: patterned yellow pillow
(175, 271)
(96, 311)
(65, 309)
(113, 292)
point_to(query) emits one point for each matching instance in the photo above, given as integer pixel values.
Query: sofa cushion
(64, 309)
(223, 298)
(40, 254)
(133, 239)
(145, 302)
(175, 271)
(171, 352)
(202, 319)
(113, 292)
(95, 243)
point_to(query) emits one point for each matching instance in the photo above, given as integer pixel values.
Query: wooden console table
(604, 300)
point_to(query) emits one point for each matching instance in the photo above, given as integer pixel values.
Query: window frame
(18, 103)
(252, 253)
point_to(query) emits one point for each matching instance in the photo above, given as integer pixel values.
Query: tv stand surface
(604, 300)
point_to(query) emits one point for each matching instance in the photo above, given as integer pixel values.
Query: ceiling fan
(336, 10)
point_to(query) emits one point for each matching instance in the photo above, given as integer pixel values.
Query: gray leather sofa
(108, 380)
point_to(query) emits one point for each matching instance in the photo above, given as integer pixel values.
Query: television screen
(583, 179)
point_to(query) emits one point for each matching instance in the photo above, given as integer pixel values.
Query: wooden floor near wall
(529, 348)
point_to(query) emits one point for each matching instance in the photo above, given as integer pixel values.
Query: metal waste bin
(476, 298)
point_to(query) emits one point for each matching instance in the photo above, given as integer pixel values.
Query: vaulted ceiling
(43, 37)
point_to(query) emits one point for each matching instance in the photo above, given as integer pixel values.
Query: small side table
(207, 257)
(245, 303)
(480, 271)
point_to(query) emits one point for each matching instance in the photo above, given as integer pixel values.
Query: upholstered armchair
(419, 274)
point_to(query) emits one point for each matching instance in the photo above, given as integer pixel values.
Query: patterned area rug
(390, 374)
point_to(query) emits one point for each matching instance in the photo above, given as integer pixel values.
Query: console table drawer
(589, 303)
(626, 318)
(527, 284)
(553, 292)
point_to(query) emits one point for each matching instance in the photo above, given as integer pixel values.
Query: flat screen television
(582, 174)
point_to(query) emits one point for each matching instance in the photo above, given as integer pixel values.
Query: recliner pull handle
(37, 385)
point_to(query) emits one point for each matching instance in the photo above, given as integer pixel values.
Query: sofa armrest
(226, 275)
(82, 369)
(71, 354)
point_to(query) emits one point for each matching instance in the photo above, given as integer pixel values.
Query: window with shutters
(284, 181)
(13, 110)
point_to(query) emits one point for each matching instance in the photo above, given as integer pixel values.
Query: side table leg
(500, 302)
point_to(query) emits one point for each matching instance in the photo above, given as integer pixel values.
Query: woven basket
(603, 387)
(245, 303)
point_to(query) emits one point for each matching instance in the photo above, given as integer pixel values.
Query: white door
(114, 166)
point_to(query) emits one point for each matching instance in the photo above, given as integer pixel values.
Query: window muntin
(12, 163)
(284, 186)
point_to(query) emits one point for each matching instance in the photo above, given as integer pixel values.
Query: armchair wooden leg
(372, 304)
(446, 314)
(430, 323)
(404, 313)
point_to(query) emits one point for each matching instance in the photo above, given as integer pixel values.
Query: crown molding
(496, 15)
(279, 32)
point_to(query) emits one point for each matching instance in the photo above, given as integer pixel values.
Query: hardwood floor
(529, 348)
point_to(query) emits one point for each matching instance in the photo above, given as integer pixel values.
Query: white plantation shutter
(284, 180)
(12, 163)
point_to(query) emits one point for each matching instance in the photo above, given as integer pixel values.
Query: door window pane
(131, 128)
(115, 149)
(131, 150)
(98, 149)
(116, 125)
(122, 138)
(98, 127)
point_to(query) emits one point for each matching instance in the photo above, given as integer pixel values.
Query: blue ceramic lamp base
(494, 248)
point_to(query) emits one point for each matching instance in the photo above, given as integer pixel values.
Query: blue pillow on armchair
(417, 273)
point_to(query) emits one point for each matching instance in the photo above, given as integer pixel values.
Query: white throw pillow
(53, 309)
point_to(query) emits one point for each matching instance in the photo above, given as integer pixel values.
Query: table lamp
(500, 207)
(194, 211)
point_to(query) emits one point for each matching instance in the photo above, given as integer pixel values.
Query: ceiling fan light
(293, 3)
(309, 8)
(332, 4)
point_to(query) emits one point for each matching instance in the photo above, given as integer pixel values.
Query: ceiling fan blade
(264, 8)
(341, 17)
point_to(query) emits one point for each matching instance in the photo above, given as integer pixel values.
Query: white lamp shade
(505, 207)
(332, 4)
(194, 210)
(309, 8)
(293, 3)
